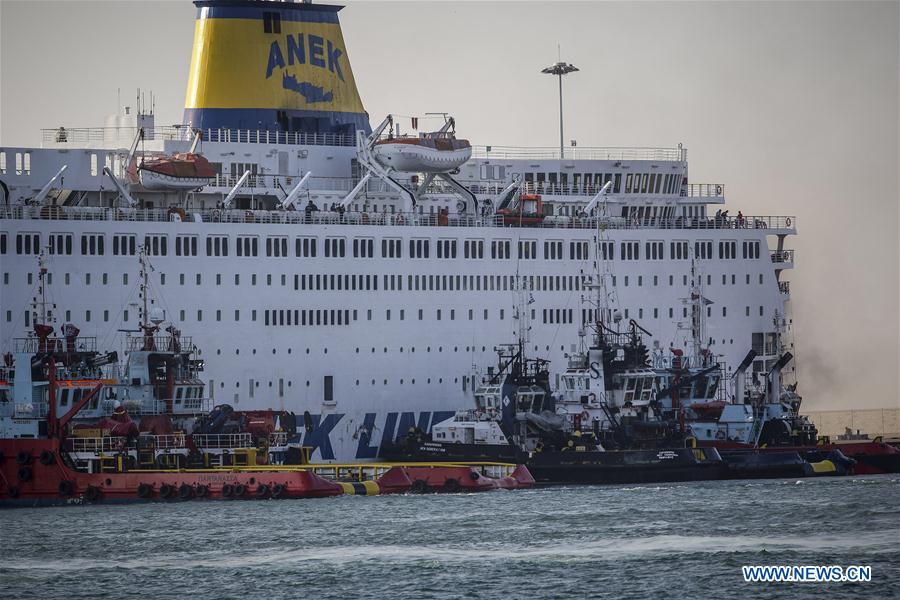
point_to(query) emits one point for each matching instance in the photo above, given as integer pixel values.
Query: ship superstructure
(318, 279)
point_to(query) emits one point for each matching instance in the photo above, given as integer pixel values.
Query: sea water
(639, 541)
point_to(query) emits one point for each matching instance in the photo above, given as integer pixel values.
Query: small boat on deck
(181, 171)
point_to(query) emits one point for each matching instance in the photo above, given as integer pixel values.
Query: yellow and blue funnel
(271, 65)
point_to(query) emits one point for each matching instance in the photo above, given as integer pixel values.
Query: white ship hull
(398, 338)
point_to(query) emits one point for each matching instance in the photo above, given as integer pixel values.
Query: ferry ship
(361, 274)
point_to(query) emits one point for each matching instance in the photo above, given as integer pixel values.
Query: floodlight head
(560, 68)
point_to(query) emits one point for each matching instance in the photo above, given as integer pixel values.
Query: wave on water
(588, 551)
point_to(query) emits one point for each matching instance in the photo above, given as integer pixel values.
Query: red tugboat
(67, 434)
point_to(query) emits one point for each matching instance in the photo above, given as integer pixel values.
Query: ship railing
(57, 345)
(223, 440)
(323, 217)
(134, 407)
(576, 153)
(278, 438)
(784, 287)
(183, 133)
(31, 410)
(782, 256)
(704, 190)
(159, 343)
(372, 471)
(111, 443)
(140, 407)
(267, 183)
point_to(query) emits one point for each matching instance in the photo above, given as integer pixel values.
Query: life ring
(262, 491)
(66, 487)
(475, 475)
(177, 210)
(185, 491)
(718, 190)
(227, 490)
(92, 493)
(24, 473)
(47, 458)
(144, 490)
(278, 490)
(216, 215)
(787, 221)
(23, 457)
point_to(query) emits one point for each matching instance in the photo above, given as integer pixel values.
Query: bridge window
(446, 249)
(727, 249)
(156, 245)
(419, 248)
(186, 245)
(703, 249)
(61, 243)
(500, 249)
(28, 243)
(91, 244)
(751, 249)
(271, 22)
(475, 248)
(335, 247)
(553, 250)
(391, 248)
(630, 250)
(276, 246)
(578, 250)
(305, 247)
(124, 244)
(216, 245)
(527, 249)
(363, 248)
(247, 245)
(654, 250)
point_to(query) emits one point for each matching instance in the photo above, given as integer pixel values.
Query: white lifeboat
(428, 153)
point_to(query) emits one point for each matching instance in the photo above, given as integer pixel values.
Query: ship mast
(41, 298)
(142, 258)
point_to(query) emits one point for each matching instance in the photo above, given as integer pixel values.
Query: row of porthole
(412, 349)
(237, 384)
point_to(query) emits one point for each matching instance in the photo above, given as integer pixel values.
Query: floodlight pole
(559, 69)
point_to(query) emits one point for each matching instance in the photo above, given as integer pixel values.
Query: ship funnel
(271, 66)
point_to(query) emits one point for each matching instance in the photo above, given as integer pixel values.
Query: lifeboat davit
(428, 153)
(183, 171)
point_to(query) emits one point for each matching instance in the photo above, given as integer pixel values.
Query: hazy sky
(792, 106)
